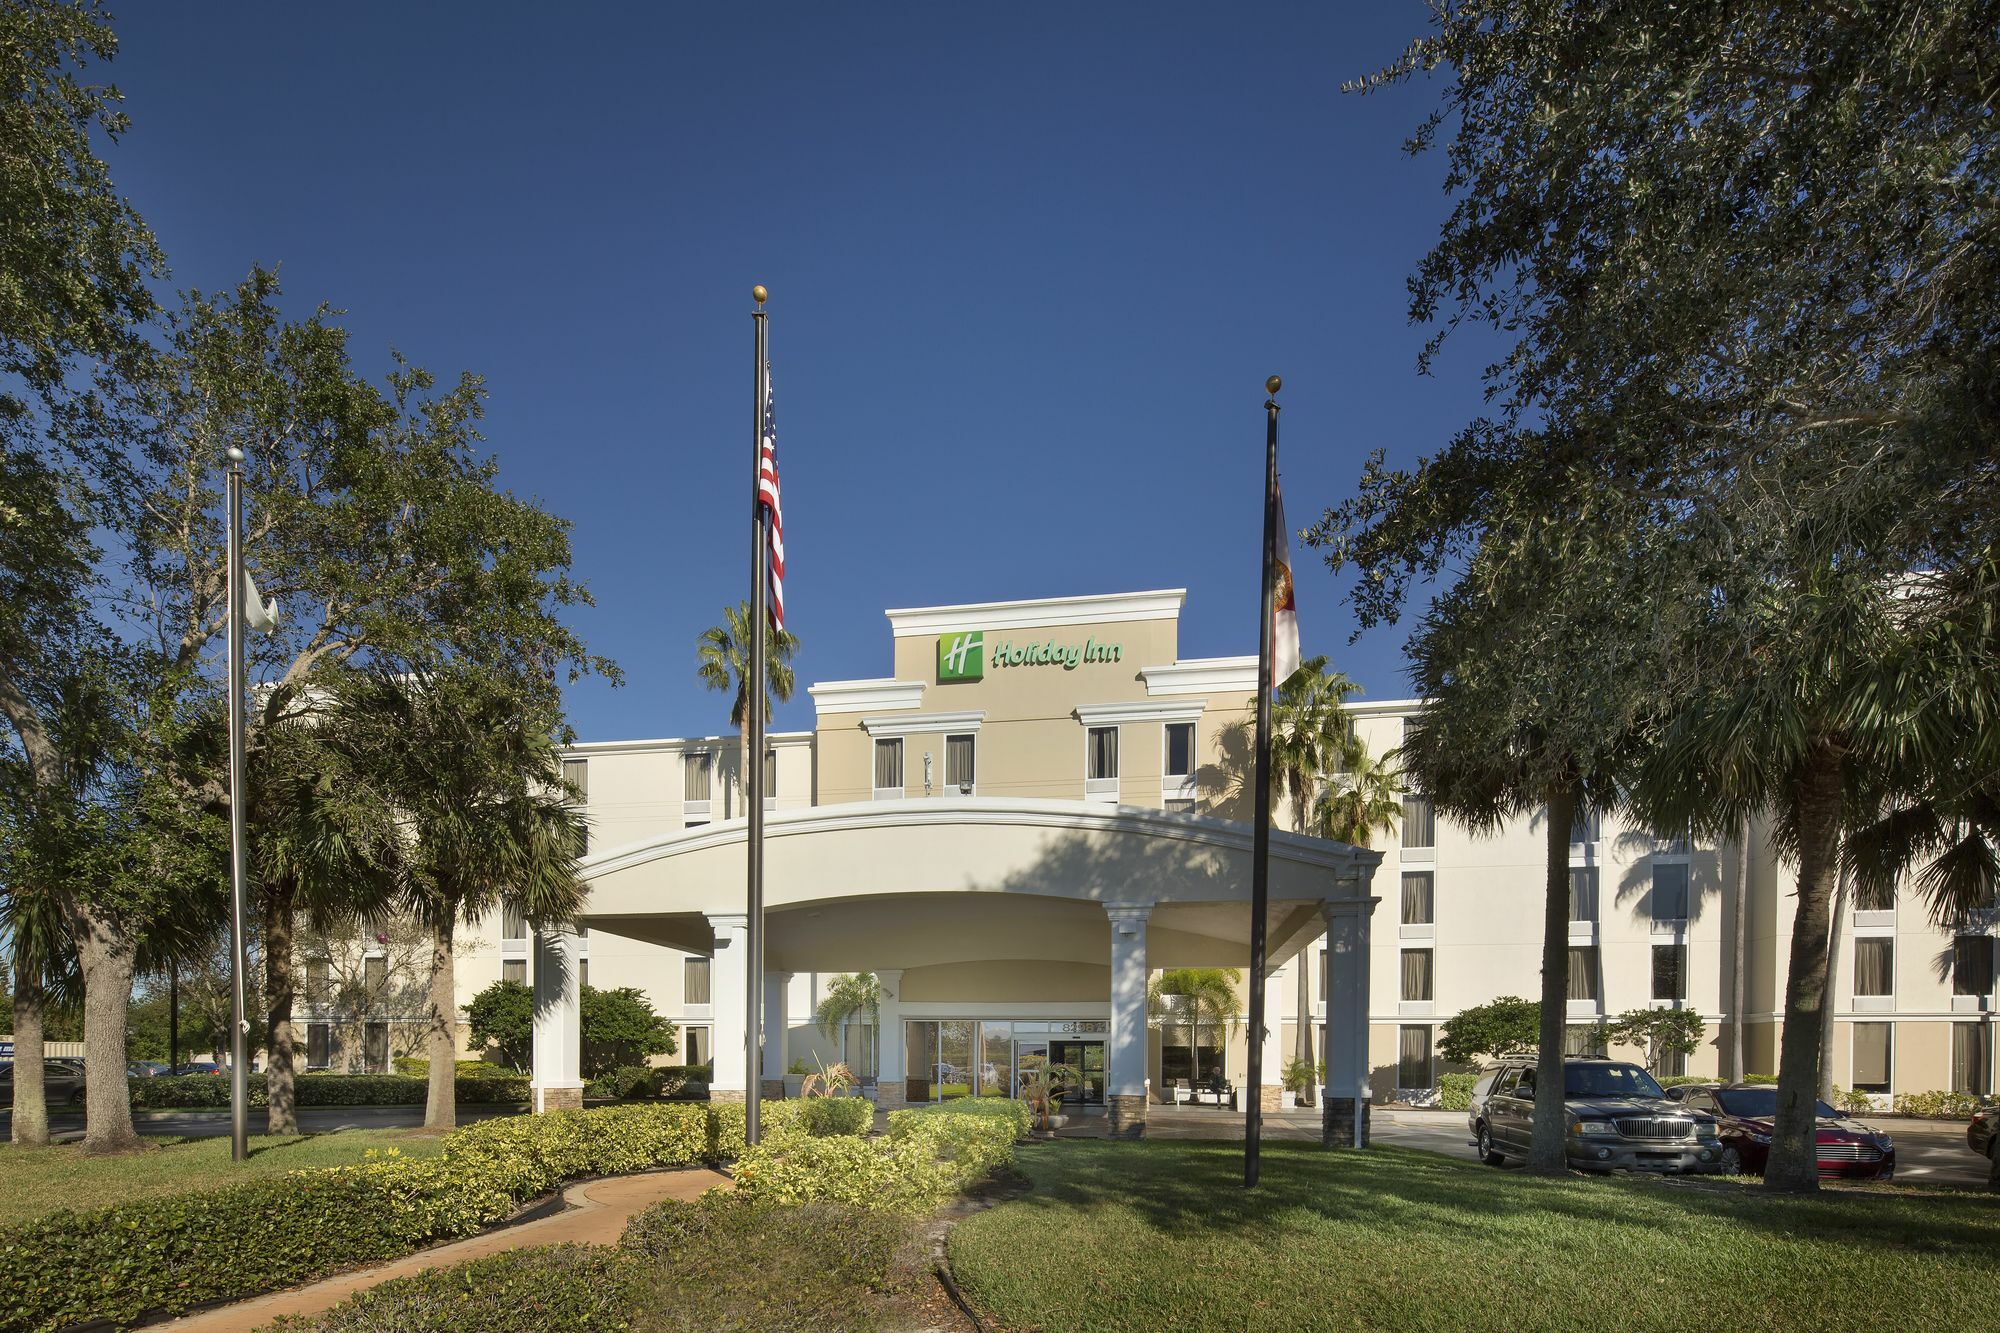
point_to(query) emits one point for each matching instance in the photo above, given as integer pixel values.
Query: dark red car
(1745, 1113)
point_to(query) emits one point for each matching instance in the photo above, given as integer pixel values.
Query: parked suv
(1615, 1117)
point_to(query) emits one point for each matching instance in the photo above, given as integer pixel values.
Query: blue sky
(1029, 268)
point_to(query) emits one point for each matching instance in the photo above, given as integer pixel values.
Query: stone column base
(891, 1094)
(568, 1097)
(1337, 1122)
(1127, 1115)
(1271, 1096)
(734, 1096)
(773, 1090)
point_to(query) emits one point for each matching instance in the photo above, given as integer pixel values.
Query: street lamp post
(239, 1035)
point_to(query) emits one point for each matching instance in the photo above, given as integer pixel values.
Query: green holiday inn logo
(961, 657)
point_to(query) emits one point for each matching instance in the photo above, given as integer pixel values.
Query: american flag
(767, 496)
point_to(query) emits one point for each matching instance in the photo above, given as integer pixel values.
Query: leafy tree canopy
(619, 1027)
(1509, 1025)
(503, 1015)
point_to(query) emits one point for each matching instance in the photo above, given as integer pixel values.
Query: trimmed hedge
(415, 1067)
(627, 1083)
(165, 1255)
(825, 1117)
(1938, 1105)
(1455, 1091)
(196, 1090)
(930, 1154)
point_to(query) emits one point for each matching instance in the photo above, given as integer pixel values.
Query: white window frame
(1872, 1004)
(1179, 786)
(896, 793)
(1103, 789)
(1417, 855)
(696, 813)
(1854, 1031)
(967, 789)
(1669, 925)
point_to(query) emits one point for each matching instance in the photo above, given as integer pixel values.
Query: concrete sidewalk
(597, 1213)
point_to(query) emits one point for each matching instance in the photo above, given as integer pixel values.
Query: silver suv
(1615, 1117)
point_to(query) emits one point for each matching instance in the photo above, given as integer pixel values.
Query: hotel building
(1042, 805)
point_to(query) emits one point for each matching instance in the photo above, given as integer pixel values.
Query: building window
(1325, 974)
(1101, 751)
(375, 1047)
(1872, 1051)
(1873, 896)
(513, 924)
(770, 774)
(581, 839)
(1670, 891)
(1670, 971)
(514, 969)
(1971, 1059)
(1413, 1056)
(1583, 973)
(889, 766)
(1585, 827)
(960, 773)
(1416, 976)
(1875, 965)
(319, 1045)
(1583, 1039)
(1419, 822)
(576, 774)
(374, 978)
(319, 983)
(1972, 965)
(694, 1046)
(694, 981)
(1180, 749)
(583, 974)
(1583, 893)
(1672, 1064)
(696, 771)
(1418, 907)
(1180, 806)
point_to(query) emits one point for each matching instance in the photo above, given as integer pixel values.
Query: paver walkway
(597, 1213)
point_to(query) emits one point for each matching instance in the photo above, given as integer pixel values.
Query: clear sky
(1029, 268)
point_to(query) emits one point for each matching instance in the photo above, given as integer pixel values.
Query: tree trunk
(105, 953)
(1546, 1150)
(1831, 990)
(1816, 803)
(280, 1061)
(31, 1108)
(1739, 954)
(1302, 1045)
(441, 1106)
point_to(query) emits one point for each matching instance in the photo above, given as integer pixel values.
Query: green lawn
(34, 1181)
(1163, 1235)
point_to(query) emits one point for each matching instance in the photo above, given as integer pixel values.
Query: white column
(777, 1024)
(892, 1084)
(1347, 1090)
(1125, 1053)
(728, 975)
(558, 1081)
(1275, 1054)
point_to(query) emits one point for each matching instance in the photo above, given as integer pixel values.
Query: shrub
(627, 1083)
(411, 1066)
(1455, 1091)
(556, 1287)
(1677, 1080)
(1847, 1099)
(931, 1154)
(828, 1117)
(1938, 1105)
(194, 1090)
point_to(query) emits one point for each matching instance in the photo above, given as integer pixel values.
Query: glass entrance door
(1086, 1059)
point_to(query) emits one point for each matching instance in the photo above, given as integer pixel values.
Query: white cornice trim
(1075, 816)
(1045, 612)
(1385, 707)
(669, 744)
(916, 724)
(1202, 675)
(1144, 710)
(861, 696)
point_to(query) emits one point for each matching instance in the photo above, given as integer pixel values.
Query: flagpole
(753, 762)
(239, 1036)
(1260, 865)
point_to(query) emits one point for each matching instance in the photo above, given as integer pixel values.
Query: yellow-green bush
(931, 1154)
(1938, 1105)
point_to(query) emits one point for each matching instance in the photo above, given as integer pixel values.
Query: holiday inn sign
(963, 656)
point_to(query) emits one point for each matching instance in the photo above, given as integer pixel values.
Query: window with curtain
(694, 1046)
(1583, 972)
(1972, 965)
(513, 924)
(374, 977)
(1180, 749)
(1874, 897)
(770, 774)
(319, 983)
(889, 764)
(695, 771)
(694, 981)
(1419, 821)
(1971, 1059)
(1101, 753)
(1875, 965)
(1872, 1050)
(959, 771)
(514, 969)
(1670, 971)
(1583, 1039)
(576, 772)
(319, 1045)
(1418, 905)
(1416, 974)
(1413, 1057)
(1585, 827)
(1583, 893)
(1325, 974)
(582, 972)
(1670, 891)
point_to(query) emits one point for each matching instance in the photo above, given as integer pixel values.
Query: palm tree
(849, 996)
(1310, 733)
(1198, 996)
(473, 761)
(1365, 797)
(723, 664)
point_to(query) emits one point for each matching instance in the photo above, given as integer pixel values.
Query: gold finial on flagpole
(1271, 385)
(759, 295)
